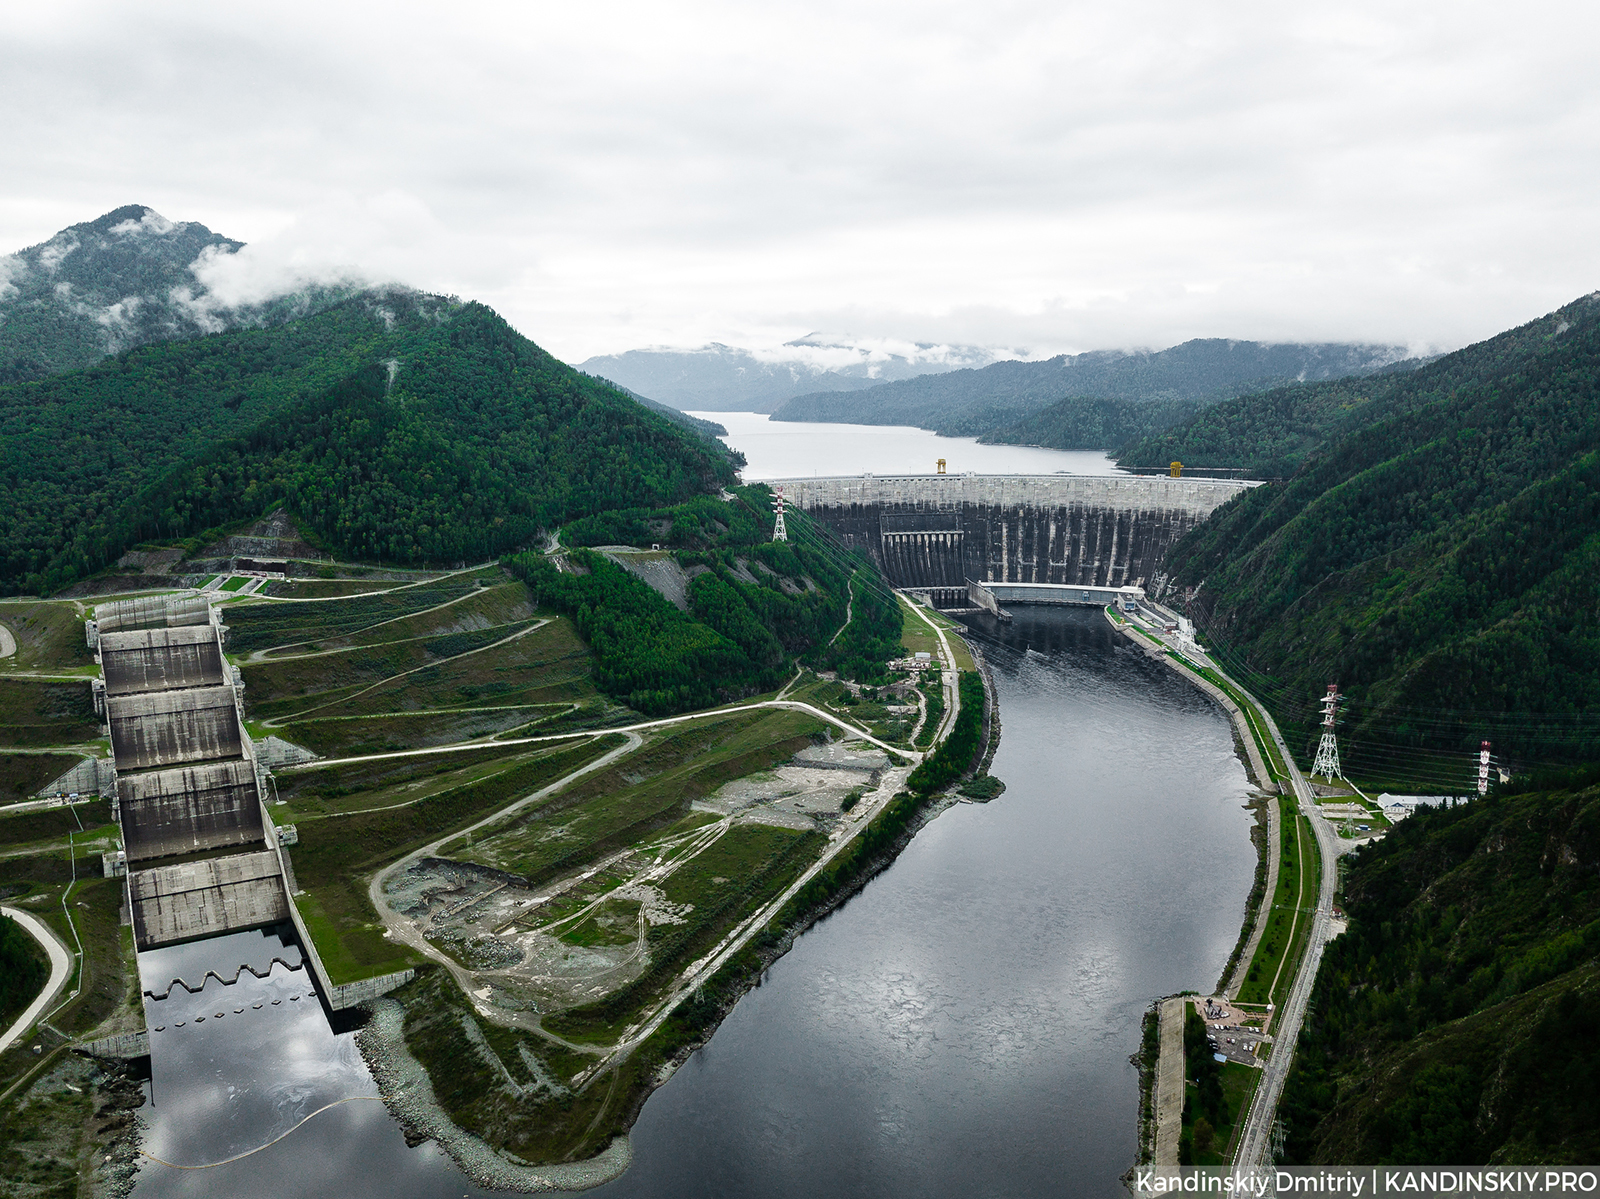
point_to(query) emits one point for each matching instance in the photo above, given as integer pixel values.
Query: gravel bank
(409, 1095)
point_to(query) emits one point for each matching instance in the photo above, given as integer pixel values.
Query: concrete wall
(165, 728)
(169, 812)
(151, 612)
(940, 530)
(159, 659)
(202, 899)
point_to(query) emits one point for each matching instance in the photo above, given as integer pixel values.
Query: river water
(961, 1027)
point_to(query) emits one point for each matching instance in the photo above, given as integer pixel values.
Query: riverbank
(577, 1110)
(1162, 1088)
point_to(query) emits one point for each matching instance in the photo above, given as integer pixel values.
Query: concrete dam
(935, 532)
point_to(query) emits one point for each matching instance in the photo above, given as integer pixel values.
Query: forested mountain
(394, 426)
(1458, 1020)
(1266, 435)
(1440, 560)
(1089, 423)
(707, 428)
(719, 378)
(119, 281)
(997, 401)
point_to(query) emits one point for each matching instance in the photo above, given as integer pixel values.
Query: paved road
(1170, 1071)
(60, 972)
(1256, 1139)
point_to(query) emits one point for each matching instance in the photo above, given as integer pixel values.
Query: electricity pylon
(1327, 763)
(779, 531)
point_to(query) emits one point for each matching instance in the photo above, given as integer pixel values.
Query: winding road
(60, 972)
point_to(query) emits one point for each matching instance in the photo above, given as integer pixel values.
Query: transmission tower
(1327, 763)
(779, 531)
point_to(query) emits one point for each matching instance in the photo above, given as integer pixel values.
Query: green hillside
(394, 426)
(1264, 436)
(1441, 561)
(1087, 423)
(1458, 1020)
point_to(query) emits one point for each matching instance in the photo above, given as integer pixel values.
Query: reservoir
(961, 1027)
(786, 449)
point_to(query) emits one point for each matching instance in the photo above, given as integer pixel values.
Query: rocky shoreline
(408, 1094)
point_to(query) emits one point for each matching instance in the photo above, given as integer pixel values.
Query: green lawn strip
(350, 954)
(503, 602)
(265, 625)
(1285, 899)
(337, 854)
(319, 789)
(351, 736)
(648, 790)
(511, 768)
(234, 583)
(324, 588)
(40, 713)
(277, 680)
(748, 866)
(546, 666)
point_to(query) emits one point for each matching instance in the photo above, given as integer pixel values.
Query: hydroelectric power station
(1062, 533)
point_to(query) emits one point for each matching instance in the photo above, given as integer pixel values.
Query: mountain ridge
(991, 401)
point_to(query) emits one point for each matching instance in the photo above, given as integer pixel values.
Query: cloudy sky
(1057, 175)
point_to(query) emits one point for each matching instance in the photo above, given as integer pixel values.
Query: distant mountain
(719, 378)
(122, 280)
(393, 426)
(992, 402)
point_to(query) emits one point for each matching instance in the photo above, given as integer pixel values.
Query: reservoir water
(961, 1027)
(786, 449)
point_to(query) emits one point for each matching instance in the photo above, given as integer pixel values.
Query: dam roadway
(939, 531)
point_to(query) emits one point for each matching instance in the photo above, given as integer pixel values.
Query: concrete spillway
(201, 899)
(161, 728)
(186, 780)
(938, 531)
(164, 813)
(160, 659)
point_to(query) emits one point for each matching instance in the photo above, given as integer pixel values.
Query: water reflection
(963, 1027)
(235, 1067)
(960, 1028)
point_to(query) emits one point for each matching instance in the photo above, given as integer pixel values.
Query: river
(961, 1027)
